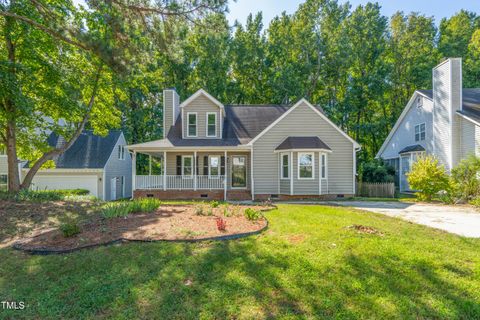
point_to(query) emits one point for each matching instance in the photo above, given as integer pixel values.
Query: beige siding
(168, 100)
(201, 105)
(172, 163)
(303, 121)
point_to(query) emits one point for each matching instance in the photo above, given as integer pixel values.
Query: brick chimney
(447, 99)
(171, 109)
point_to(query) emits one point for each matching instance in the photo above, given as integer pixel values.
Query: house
(99, 164)
(238, 152)
(443, 122)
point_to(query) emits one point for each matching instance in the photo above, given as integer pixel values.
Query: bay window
(285, 166)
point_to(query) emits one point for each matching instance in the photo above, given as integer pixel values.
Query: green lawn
(308, 264)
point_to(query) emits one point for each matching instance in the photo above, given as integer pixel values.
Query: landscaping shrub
(123, 208)
(214, 204)
(475, 202)
(226, 212)
(465, 178)
(221, 224)
(69, 229)
(199, 210)
(376, 171)
(42, 195)
(429, 177)
(252, 214)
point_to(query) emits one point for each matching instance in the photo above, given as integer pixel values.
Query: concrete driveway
(464, 221)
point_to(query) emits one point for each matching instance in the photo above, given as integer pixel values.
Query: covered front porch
(204, 173)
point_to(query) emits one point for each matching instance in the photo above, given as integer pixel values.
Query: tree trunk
(58, 151)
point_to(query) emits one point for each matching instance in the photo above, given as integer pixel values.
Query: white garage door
(66, 182)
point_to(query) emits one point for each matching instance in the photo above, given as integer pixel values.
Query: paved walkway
(461, 220)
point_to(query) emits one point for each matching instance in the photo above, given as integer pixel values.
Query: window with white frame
(420, 132)
(191, 124)
(214, 166)
(285, 166)
(305, 165)
(121, 152)
(211, 124)
(323, 169)
(187, 166)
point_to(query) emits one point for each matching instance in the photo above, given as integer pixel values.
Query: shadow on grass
(251, 278)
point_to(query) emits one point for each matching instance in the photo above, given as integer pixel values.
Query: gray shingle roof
(88, 152)
(413, 148)
(470, 103)
(302, 143)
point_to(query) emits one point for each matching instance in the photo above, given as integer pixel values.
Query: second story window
(121, 152)
(211, 124)
(420, 132)
(192, 125)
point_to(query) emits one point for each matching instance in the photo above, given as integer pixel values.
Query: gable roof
(205, 94)
(292, 143)
(88, 152)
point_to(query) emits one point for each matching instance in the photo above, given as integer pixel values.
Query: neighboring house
(444, 122)
(101, 165)
(237, 152)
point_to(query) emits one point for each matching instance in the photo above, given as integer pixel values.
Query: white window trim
(420, 132)
(188, 124)
(246, 172)
(219, 166)
(206, 125)
(121, 148)
(281, 166)
(183, 166)
(321, 165)
(299, 155)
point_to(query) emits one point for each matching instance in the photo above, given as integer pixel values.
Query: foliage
(214, 204)
(69, 229)
(428, 176)
(221, 224)
(252, 214)
(42, 195)
(475, 202)
(376, 171)
(226, 211)
(465, 177)
(199, 209)
(124, 208)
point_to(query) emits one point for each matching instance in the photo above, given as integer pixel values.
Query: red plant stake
(221, 224)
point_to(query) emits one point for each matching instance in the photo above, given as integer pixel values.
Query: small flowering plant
(221, 224)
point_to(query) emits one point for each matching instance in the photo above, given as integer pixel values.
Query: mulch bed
(168, 223)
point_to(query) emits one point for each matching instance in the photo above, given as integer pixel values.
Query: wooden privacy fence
(376, 190)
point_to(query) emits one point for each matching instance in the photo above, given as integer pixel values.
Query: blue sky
(270, 8)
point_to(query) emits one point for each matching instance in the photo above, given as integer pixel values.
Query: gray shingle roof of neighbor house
(302, 143)
(413, 148)
(241, 124)
(89, 151)
(470, 103)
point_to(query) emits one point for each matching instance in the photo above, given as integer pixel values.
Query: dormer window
(419, 102)
(121, 152)
(192, 124)
(211, 124)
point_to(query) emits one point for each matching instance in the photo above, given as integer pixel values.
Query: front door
(239, 172)
(113, 189)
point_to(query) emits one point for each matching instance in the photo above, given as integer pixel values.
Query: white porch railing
(150, 182)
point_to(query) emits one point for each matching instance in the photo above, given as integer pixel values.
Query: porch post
(225, 178)
(164, 170)
(149, 164)
(134, 171)
(252, 180)
(194, 170)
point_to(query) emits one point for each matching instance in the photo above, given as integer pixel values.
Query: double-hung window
(285, 166)
(211, 124)
(323, 168)
(214, 166)
(121, 152)
(420, 132)
(191, 124)
(305, 166)
(187, 166)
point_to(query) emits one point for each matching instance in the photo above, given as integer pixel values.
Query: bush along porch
(245, 152)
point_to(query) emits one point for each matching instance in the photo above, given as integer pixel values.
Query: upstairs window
(305, 166)
(420, 132)
(211, 124)
(192, 125)
(121, 152)
(419, 102)
(285, 166)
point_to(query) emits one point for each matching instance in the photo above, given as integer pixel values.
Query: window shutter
(222, 165)
(196, 166)
(179, 165)
(205, 165)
